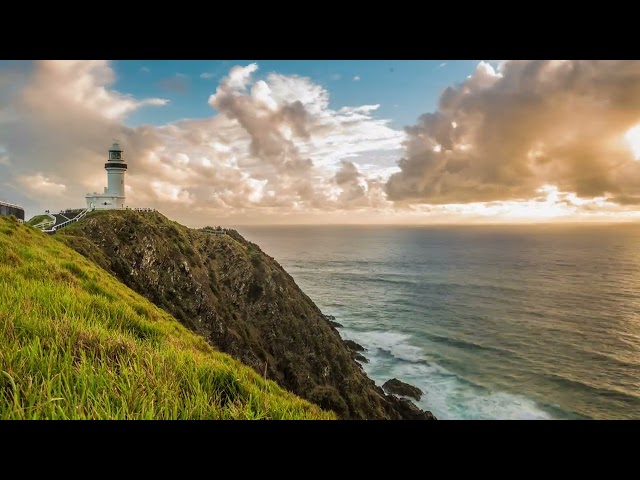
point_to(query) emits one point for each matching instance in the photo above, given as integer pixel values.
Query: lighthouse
(113, 196)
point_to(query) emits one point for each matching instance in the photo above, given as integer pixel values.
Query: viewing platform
(214, 231)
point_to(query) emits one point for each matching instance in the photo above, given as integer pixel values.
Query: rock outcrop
(398, 387)
(332, 320)
(410, 412)
(360, 358)
(240, 300)
(354, 346)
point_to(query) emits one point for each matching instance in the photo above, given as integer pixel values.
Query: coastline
(413, 407)
(446, 394)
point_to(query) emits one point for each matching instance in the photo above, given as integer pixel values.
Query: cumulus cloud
(54, 121)
(239, 76)
(295, 140)
(207, 75)
(270, 150)
(502, 134)
(80, 85)
(38, 184)
(357, 190)
(356, 78)
(519, 139)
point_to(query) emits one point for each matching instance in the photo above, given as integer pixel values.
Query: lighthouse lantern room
(113, 196)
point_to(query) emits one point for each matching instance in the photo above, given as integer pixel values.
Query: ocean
(491, 322)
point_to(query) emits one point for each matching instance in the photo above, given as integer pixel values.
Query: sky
(240, 142)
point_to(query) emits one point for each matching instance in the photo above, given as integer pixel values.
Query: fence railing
(47, 223)
(55, 228)
(139, 209)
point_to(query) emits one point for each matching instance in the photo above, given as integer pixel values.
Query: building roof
(7, 204)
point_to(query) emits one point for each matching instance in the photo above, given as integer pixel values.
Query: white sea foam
(447, 395)
(392, 342)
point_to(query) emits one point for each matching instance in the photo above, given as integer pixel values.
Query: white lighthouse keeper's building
(113, 196)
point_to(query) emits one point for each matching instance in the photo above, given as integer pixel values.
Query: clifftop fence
(138, 209)
(214, 230)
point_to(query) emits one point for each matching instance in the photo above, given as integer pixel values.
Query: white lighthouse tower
(113, 196)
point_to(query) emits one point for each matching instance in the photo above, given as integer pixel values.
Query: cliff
(241, 301)
(75, 343)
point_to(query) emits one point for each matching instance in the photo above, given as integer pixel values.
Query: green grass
(37, 219)
(77, 344)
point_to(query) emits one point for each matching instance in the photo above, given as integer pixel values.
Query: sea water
(491, 322)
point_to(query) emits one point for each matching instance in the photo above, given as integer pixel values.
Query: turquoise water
(507, 322)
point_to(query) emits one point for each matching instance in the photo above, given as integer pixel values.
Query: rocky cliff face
(242, 301)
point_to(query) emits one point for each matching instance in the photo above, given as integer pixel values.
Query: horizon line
(479, 224)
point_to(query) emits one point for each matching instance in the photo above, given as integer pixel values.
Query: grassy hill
(75, 343)
(37, 219)
(241, 301)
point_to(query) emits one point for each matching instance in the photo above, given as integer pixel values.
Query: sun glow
(633, 137)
